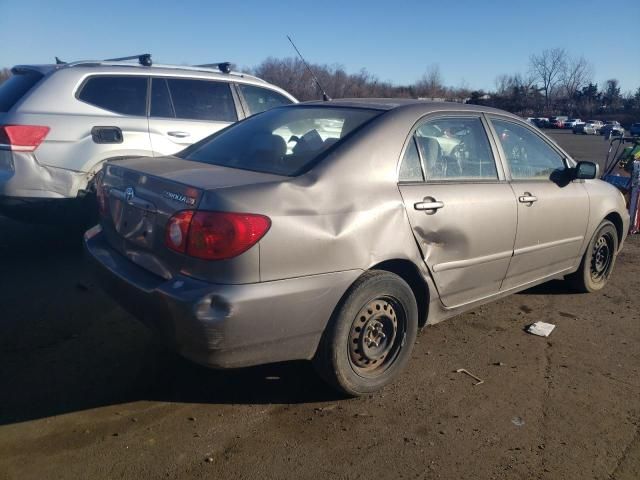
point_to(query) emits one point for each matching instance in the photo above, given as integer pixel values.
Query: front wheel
(597, 263)
(370, 336)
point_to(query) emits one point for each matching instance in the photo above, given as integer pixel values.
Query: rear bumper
(223, 326)
(22, 176)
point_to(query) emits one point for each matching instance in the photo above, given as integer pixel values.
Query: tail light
(23, 138)
(214, 235)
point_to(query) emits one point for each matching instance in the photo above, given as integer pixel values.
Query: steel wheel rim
(602, 257)
(376, 336)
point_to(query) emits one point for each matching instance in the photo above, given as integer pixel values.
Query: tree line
(555, 83)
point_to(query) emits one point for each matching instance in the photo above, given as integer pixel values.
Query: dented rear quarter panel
(344, 214)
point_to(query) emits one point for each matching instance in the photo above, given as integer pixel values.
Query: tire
(370, 336)
(598, 260)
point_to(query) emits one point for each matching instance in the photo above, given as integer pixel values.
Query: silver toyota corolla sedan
(333, 231)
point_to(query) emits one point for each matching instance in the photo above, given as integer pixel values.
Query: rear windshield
(15, 87)
(282, 141)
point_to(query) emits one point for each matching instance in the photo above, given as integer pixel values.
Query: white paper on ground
(541, 329)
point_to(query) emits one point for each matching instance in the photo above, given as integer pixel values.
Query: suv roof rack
(144, 60)
(224, 67)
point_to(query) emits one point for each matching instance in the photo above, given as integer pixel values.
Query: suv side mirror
(585, 171)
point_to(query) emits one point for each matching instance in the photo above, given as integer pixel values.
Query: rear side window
(455, 149)
(410, 168)
(119, 94)
(260, 99)
(199, 100)
(16, 87)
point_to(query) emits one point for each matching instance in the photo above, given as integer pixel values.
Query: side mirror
(585, 171)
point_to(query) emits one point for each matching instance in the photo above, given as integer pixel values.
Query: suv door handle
(527, 198)
(430, 204)
(179, 134)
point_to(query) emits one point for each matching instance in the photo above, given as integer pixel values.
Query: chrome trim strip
(469, 262)
(542, 246)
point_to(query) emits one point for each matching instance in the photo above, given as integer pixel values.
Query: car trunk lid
(143, 193)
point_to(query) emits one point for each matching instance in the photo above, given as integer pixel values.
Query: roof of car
(156, 69)
(394, 103)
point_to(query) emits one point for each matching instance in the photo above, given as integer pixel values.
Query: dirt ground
(87, 393)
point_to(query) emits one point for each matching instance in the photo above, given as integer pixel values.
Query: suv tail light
(23, 138)
(214, 235)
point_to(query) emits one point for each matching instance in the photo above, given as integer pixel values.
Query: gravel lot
(85, 392)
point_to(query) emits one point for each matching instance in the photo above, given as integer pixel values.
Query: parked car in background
(612, 128)
(58, 123)
(590, 127)
(557, 122)
(634, 130)
(331, 231)
(541, 122)
(572, 122)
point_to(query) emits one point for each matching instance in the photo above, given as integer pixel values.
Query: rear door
(118, 126)
(186, 110)
(552, 209)
(461, 209)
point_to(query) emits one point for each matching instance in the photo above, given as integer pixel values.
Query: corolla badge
(179, 197)
(129, 193)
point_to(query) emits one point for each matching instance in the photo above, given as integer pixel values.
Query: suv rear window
(16, 87)
(283, 141)
(120, 94)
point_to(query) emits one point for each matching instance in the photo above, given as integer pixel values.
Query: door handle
(179, 134)
(527, 198)
(428, 205)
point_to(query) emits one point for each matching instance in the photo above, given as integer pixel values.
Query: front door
(461, 209)
(552, 209)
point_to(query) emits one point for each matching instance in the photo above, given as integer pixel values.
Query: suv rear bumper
(223, 326)
(22, 176)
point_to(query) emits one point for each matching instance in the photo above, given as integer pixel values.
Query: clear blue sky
(471, 41)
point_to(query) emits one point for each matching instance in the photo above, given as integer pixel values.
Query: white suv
(58, 123)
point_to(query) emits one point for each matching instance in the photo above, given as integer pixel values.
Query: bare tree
(431, 84)
(502, 83)
(578, 73)
(5, 73)
(548, 68)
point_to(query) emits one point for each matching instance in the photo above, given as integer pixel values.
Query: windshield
(283, 141)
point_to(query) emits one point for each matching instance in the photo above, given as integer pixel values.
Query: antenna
(325, 97)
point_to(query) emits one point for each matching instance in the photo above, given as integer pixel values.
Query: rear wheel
(597, 262)
(370, 336)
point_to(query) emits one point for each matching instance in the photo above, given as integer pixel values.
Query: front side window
(529, 157)
(202, 100)
(282, 141)
(260, 99)
(120, 94)
(455, 149)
